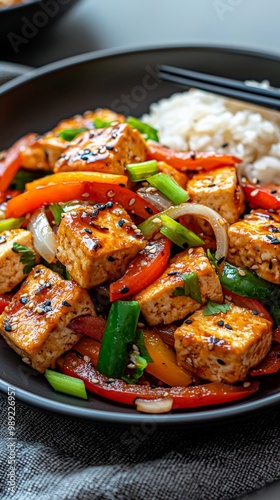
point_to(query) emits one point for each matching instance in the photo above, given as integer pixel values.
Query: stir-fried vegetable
(145, 129)
(66, 384)
(77, 177)
(170, 188)
(68, 134)
(140, 171)
(267, 196)
(43, 235)
(12, 160)
(8, 224)
(179, 234)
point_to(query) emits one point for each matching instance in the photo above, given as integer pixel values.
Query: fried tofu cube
(254, 242)
(159, 304)
(106, 150)
(219, 189)
(12, 270)
(46, 149)
(223, 347)
(96, 243)
(36, 322)
(180, 177)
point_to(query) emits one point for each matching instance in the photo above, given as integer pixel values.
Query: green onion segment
(179, 234)
(8, 224)
(68, 134)
(170, 188)
(66, 384)
(141, 171)
(145, 129)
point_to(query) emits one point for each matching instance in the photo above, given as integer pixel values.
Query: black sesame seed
(102, 207)
(121, 222)
(275, 241)
(228, 326)
(47, 302)
(270, 265)
(273, 191)
(109, 147)
(225, 145)
(192, 155)
(211, 185)
(48, 284)
(153, 386)
(122, 185)
(173, 273)
(274, 230)
(188, 321)
(95, 212)
(8, 328)
(255, 312)
(220, 361)
(220, 322)
(24, 300)
(110, 204)
(38, 271)
(258, 181)
(111, 259)
(89, 231)
(149, 210)
(109, 381)
(272, 211)
(65, 303)
(125, 289)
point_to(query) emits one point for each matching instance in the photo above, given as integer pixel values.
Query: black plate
(21, 23)
(125, 82)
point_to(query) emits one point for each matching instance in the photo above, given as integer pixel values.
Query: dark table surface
(90, 25)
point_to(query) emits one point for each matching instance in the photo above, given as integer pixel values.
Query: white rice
(199, 121)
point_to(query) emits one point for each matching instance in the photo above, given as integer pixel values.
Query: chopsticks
(227, 87)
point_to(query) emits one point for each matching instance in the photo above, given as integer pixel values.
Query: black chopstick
(222, 86)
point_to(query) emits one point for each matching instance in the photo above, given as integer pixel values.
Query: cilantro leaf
(191, 287)
(28, 257)
(215, 308)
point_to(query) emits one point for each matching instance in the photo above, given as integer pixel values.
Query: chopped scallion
(8, 224)
(140, 171)
(179, 234)
(56, 210)
(144, 128)
(99, 123)
(66, 384)
(68, 134)
(170, 188)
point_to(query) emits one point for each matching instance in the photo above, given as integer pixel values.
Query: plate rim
(221, 413)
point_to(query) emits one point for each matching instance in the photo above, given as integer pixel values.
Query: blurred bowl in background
(21, 23)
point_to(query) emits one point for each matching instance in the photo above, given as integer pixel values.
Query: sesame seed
(102, 150)
(149, 210)
(211, 185)
(220, 361)
(241, 272)
(246, 384)
(6, 309)
(85, 195)
(14, 326)
(255, 192)
(220, 261)
(254, 267)
(210, 347)
(65, 303)
(24, 300)
(47, 302)
(8, 328)
(131, 366)
(121, 222)
(86, 230)
(273, 191)
(109, 147)
(133, 226)
(141, 325)
(86, 359)
(38, 310)
(41, 282)
(110, 204)
(111, 259)
(220, 322)
(228, 326)
(125, 289)
(138, 231)
(153, 250)
(94, 380)
(165, 394)
(111, 193)
(188, 321)
(189, 360)
(225, 145)
(30, 305)
(131, 202)
(255, 312)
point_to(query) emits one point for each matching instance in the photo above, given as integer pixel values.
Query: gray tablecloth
(61, 459)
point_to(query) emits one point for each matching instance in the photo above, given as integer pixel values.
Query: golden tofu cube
(159, 304)
(220, 190)
(11, 268)
(36, 322)
(96, 243)
(254, 242)
(223, 347)
(106, 150)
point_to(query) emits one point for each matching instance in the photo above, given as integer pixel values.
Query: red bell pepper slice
(252, 304)
(269, 365)
(189, 160)
(12, 160)
(143, 270)
(276, 335)
(67, 191)
(267, 196)
(183, 397)
(91, 326)
(4, 302)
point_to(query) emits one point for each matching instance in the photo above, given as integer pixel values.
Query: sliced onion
(155, 197)
(161, 405)
(43, 236)
(218, 223)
